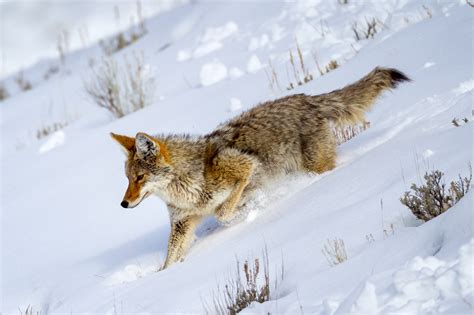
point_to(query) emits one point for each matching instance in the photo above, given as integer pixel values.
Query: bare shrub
(121, 89)
(62, 45)
(332, 65)
(124, 39)
(52, 70)
(272, 78)
(432, 198)
(23, 83)
(335, 252)
(346, 133)
(427, 11)
(29, 311)
(49, 129)
(3, 92)
(458, 122)
(305, 75)
(242, 290)
(368, 30)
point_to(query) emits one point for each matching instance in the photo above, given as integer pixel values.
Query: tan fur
(218, 173)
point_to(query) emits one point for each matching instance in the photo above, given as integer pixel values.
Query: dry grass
(52, 70)
(272, 78)
(367, 30)
(23, 83)
(62, 45)
(124, 39)
(300, 71)
(3, 92)
(251, 283)
(121, 89)
(50, 129)
(459, 122)
(346, 133)
(433, 197)
(29, 311)
(335, 252)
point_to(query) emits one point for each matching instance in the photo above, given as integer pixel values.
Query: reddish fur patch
(127, 142)
(133, 191)
(164, 151)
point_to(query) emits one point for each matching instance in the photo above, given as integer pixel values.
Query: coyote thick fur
(217, 173)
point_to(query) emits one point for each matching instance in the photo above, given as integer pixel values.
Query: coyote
(217, 174)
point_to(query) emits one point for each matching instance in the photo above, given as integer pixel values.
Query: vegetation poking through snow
(242, 290)
(299, 70)
(49, 129)
(459, 122)
(366, 31)
(3, 92)
(433, 198)
(124, 39)
(335, 252)
(346, 133)
(29, 311)
(300, 78)
(62, 45)
(121, 89)
(23, 83)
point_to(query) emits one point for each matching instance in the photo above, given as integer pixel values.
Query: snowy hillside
(68, 246)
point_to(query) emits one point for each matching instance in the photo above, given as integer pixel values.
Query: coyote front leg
(181, 235)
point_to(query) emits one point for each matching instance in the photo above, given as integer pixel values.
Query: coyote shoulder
(217, 174)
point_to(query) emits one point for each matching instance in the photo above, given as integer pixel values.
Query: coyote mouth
(144, 196)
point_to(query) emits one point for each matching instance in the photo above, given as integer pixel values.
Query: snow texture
(68, 246)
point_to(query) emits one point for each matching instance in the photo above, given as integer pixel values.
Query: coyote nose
(124, 204)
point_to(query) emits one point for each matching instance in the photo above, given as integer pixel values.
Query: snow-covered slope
(68, 247)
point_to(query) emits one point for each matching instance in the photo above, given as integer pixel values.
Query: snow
(235, 104)
(68, 246)
(212, 73)
(235, 73)
(254, 64)
(54, 141)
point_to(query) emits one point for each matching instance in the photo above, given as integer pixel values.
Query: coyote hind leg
(319, 149)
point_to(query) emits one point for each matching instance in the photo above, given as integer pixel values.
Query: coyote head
(147, 167)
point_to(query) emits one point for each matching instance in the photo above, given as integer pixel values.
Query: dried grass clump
(346, 133)
(121, 89)
(242, 290)
(49, 129)
(300, 78)
(3, 92)
(29, 311)
(124, 39)
(335, 252)
(432, 198)
(23, 83)
(366, 31)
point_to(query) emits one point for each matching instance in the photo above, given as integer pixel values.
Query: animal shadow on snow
(151, 243)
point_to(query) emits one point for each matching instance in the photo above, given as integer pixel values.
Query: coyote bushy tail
(349, 104)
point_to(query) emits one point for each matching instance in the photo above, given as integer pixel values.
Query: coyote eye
(139, 177)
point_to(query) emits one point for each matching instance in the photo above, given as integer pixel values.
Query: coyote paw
(228, 218)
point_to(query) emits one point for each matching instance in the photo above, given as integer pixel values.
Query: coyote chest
(184, 204)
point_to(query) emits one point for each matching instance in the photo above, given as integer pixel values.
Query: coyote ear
(127, 143)
(146, 146)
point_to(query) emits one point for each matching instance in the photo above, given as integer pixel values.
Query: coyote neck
(186, 190)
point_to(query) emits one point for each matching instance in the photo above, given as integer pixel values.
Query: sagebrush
(335, 252)
(433, 197)
(121, 88)
(242, 290)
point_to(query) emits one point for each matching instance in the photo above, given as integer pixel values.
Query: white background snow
(68, 247)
